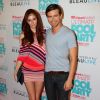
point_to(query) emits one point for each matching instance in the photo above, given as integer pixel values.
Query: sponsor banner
(16, 24)
(84, 28)
(82, 87)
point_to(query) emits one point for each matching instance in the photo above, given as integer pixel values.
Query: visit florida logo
(16, 24)
(82, 86)
(84, 28)
(44, 3)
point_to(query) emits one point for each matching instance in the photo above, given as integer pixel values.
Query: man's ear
(62, 16)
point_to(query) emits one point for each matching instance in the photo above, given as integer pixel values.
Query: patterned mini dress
(33, 58)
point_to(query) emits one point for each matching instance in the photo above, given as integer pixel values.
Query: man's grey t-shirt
(57, 47)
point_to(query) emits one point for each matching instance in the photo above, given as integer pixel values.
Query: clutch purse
(20, 76)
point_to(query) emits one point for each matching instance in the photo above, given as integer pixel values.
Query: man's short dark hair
(54, 7)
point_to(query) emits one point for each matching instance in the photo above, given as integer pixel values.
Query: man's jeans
(54, 85)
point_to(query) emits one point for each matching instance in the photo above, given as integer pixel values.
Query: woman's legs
(30, 86)
(34, 89)
(39, 85)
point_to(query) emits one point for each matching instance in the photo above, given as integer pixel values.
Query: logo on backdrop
(44, 3)
(44, 97)
(20, 93)
(15, 49)
(14, 62)
(3, 27)
(87, 60)
(2, 54)
(3, 30)
(82, 86)
(19, 2)
(24, 94)
(2, 47)
(16, 23)
(84, 1)
(84, 28)
(1, 5)
(3, 87)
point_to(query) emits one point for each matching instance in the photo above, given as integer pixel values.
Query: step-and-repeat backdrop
(82, 16)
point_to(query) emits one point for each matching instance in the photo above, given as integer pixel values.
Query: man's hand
(68, 85)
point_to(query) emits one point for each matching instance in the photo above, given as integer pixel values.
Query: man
(61, 58)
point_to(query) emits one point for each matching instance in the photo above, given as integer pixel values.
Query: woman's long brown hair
(28, 34)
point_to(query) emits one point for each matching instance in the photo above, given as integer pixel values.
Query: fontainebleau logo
(84, 1)
(84, 28)
(19, 3)
(2, 47)
(1, 5)
(16, 23)
(87, 60)
(82, 87)
(3, 87)
(15, 49)
(44, 3)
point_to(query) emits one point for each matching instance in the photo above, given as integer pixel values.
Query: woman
(32, 54)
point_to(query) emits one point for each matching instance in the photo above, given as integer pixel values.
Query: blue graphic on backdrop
(16, 28)
(3, 87)
(44, 98)
(44, 3)
(84, 27)
(2, 49)
(85, 33)
(1, 5)
(82, 88)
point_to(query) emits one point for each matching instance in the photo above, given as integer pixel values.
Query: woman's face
(32, 21)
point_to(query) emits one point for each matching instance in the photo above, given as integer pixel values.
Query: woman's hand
(18, 65)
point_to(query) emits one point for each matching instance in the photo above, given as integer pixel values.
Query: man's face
(54, 18)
